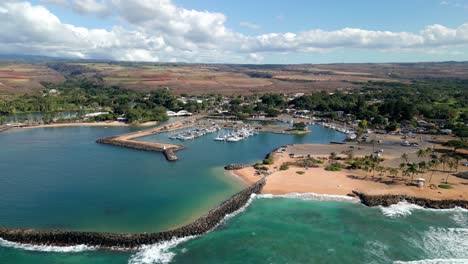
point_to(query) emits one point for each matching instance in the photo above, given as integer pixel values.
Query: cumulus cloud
(156, 30)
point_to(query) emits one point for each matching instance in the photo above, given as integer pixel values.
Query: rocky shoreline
(390, 199)
(235, 166)
(128, 241)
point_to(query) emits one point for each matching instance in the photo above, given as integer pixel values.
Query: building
(180, 113)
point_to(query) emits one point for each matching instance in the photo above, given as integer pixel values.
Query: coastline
(350, 182)
(93, 124)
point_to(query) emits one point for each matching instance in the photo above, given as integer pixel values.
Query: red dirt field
(20, 78)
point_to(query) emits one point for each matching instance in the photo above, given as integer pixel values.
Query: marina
(237, 135)
(195, 133)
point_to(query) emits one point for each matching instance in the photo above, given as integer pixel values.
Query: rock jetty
(128, 241)
(389, 199)
(169, 152)
(235, 166)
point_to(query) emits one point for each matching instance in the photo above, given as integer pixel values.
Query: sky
(241, 31)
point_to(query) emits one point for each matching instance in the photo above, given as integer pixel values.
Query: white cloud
(249, 25)
(159, 30)
(91, 7)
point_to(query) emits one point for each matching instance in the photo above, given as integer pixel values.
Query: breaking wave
(160, 253)
(404, 208)
(45, 248)
(310, 197)
(157, 253)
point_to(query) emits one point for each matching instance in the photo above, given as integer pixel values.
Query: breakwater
(235, 166)
(389, 199)
(126, 140)
(128, 241)
(167, 149)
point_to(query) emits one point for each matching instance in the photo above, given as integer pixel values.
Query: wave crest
(45, 248)
(404, 209)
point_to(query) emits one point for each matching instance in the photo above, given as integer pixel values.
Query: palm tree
(457, 160)
(413, 169)
(452, 163)
(423, 166)
(405, 157)
(403, 169)
(433, 164)
(421, 154)
(444, 160)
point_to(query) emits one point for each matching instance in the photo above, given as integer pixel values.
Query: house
(180, 113)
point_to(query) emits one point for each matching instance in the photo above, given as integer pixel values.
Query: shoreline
(88, 124)
(347, 182)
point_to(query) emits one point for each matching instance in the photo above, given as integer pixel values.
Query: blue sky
(247, 31)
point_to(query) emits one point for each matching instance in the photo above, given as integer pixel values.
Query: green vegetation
(457, 144)
(333, 167)
(284, 167)
(299, 126)
(385, 105)
(259, 166)
(84, 95)
(300, 172)
(445, 186)
(268, 161)
(306, 162)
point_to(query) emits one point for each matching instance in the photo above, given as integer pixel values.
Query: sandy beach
(318, 180)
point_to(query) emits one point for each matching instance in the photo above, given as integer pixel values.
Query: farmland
(19, 78)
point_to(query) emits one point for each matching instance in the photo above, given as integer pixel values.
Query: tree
(452, 165)
(461, 131)
(421, 153)
(413, 169)
(299, 126)
(405, 157)
(456, 144)
(433, 165)
(363, 124)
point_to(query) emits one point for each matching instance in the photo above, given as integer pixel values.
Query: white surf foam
(400, 209)
(434, 261)
(404, 208)
(44, 248)
(310, 197)
(160, 253)
(449, 243)
(157, 253)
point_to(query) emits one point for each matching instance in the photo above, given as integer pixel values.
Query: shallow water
(60, 178)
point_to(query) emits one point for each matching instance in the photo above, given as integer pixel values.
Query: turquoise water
(280, 230)
(60, 178)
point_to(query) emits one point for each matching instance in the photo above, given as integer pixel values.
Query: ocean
(59, 178)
